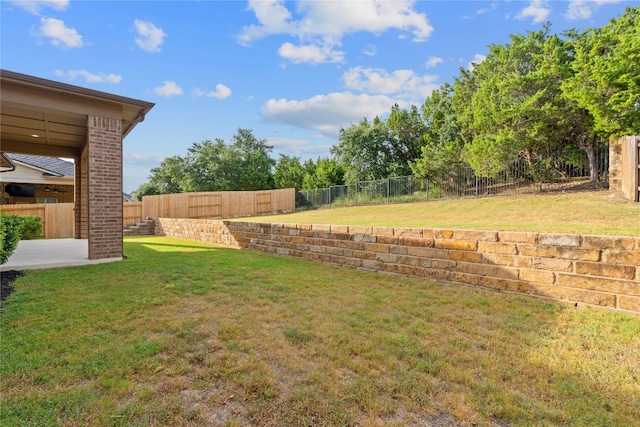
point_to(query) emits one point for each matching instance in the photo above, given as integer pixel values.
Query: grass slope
(596, 212)
(182, 334)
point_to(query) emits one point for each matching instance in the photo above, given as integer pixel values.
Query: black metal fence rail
(568, 171)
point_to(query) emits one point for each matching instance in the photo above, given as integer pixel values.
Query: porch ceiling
(49, 118)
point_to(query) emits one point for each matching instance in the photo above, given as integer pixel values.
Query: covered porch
(49, 118)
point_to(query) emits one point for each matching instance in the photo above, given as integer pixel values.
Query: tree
(324, 173)
(212, 166)
(363, 151)
(289, 173)
(442, 144)
(256, 165)
(167, 178)
(517, 107)
(406, 136)
(606, 75)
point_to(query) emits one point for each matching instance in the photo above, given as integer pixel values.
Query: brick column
(81, 207)
(105, 187)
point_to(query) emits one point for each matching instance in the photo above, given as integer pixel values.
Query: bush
(30, 227)
(9, 235)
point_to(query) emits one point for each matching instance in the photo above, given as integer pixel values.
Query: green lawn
(594, 212)
(182, 333)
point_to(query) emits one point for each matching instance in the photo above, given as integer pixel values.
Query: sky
(293, 72)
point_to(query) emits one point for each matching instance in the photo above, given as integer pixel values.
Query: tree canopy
(538, 94)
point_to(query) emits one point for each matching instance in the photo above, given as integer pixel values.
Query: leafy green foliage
(324, 173)
(30, 227)
(364, 151)
(606, 79)
(215, 166)
(538, 95)
(289, 172)
(442, 143)
(9, 235)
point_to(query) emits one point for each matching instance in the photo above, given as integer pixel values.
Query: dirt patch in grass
(6, 280)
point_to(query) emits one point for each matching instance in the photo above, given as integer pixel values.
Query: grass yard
(183, 334)
(589, 212)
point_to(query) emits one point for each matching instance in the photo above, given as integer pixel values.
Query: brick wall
(594, 270)
(104, 187)
(81, 208)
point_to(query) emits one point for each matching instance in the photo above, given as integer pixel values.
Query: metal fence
(567, 171)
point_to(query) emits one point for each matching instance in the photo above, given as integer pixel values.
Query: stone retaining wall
(594, 270)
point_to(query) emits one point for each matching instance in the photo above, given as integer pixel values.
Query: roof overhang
(6, 164)
(45, 117)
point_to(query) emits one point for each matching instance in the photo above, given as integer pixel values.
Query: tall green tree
(256, 164)
(212, 166)
(165, 179)
(322, 174)
(517, 107)
(364, 151)
(406, 132)
(606, 75)
(289, 172)
(442, 144)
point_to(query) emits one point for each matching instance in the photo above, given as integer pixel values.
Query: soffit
(45, 117)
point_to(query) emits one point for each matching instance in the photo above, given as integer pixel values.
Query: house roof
(42, 116)
(6, 165)
(51, 166)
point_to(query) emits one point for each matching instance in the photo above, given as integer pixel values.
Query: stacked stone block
(594, 270)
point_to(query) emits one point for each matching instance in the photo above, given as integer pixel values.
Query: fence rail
(225, 204)
(567, 171)
(57, 218)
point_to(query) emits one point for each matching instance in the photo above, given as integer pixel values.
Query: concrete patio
(50, 253)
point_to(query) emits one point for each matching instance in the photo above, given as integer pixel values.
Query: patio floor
(50, 253)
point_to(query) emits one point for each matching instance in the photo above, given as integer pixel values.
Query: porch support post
(104, 187)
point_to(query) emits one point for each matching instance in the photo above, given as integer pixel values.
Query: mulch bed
(6, 279)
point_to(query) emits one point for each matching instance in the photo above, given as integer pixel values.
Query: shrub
(30, 227)
(9, 235)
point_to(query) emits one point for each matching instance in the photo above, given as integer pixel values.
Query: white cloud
(328, 113)
(90, 77)
(323, 24)
(404, 84)
(583, 9)
(433, 61)
(310, 53)
(34, 6)
(169, 88)
(221, 92)
(370, 50)
(299, 147)
(60, 35)
(538, 10)
(150, 37)
(137, 159)
(477, 60)
(492, 7)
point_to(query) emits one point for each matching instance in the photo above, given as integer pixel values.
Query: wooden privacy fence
(57, 218)
(224, 204)
(131, 213)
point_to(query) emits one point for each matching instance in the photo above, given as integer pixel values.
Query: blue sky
(294, 72)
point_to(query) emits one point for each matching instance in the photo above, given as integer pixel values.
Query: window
(47, 200)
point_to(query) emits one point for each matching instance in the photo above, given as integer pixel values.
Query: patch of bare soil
(6, 279)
